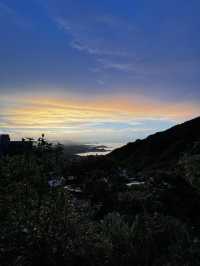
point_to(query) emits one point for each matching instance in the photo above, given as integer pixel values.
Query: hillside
(162, 149)
(59, 210)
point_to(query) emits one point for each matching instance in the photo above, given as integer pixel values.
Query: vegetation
(108, 223)
(159, 151)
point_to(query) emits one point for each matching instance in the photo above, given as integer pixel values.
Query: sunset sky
(98, 70)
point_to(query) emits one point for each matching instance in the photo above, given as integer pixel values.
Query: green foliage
(190, 166)
(42, 225)
(109, 224)
(150, 240)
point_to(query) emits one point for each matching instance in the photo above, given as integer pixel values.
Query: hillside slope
(160, 150)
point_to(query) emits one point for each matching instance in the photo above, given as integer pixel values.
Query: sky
(98, 71)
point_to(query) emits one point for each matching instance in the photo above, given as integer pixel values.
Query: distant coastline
(90, 149)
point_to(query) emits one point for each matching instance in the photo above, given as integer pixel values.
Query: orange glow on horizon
(42, 112)
(74, 118)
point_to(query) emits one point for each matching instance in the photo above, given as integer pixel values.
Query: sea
(109, 147)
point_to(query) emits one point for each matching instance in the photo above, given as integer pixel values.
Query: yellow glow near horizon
(75, 115)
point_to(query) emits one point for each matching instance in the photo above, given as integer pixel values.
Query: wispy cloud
(116, 115)
(100, 82)
(63, 24)
(117, 43)
(117, 23)
(108, 64)
(94, 49)
(10, 14)
(87, 38)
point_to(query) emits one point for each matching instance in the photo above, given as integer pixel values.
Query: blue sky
(143, 54)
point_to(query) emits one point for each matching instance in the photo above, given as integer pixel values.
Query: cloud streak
(75, 117)
(14, 17)
(108, 64)
(83, 38)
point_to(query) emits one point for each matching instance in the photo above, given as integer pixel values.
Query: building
(4, 144)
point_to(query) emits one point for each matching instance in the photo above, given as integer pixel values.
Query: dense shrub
(109, 224)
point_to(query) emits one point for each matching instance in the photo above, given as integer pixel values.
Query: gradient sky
(98, 70)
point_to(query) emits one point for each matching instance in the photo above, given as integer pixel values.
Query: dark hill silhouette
(160, 150)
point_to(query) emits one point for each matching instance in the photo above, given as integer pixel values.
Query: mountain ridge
(162, 149)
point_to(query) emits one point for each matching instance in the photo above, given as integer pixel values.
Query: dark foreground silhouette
(161, 150)
(138, 206)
